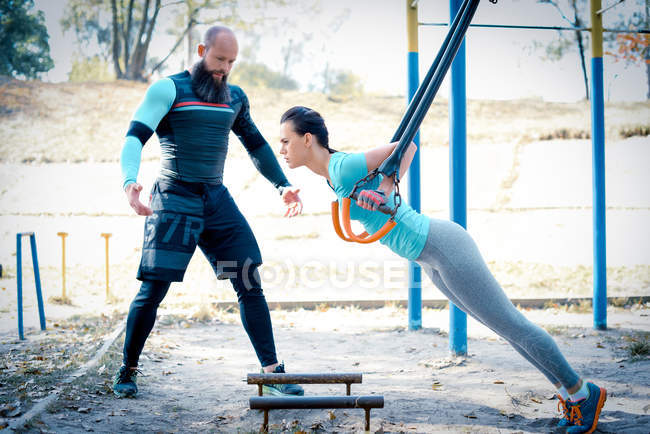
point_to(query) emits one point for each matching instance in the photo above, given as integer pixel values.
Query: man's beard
(207, 88)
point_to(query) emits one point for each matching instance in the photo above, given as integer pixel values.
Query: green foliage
(90, 69)
(259, 75)
(345, 83)
(90, 21)
(555, 50)
(24, 48)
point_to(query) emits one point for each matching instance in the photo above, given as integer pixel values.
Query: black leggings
(253, 309)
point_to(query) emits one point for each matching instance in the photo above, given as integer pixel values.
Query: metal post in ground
(37, 279)
(63, 294)
(19, 284)
(106, 237)
(457, 174)
(19, 281)
(415, 273)
(598, 161)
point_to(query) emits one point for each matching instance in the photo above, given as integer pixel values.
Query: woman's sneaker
(563, 408)
(124, 382)
(282, 389)
(584, 413)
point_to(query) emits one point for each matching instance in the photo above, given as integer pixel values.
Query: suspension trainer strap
(390, 166)
(415, 101)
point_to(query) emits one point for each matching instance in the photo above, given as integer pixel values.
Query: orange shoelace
(562, 408)
(576, 415)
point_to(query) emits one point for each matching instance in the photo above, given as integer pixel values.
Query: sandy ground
(529, 210)
(194, 376)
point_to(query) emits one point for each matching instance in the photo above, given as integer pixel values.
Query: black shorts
(186, 214)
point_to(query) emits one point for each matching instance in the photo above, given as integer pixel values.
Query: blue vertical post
(19, 284)
(598, 161)
(37, 280)
(457, 175)
(19, 281)
(415, 273)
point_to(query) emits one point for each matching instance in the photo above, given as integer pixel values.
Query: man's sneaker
(124, 382)
(566, 413)
(584, 413)
(282, 389)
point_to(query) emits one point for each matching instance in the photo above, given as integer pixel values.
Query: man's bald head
(217, 31)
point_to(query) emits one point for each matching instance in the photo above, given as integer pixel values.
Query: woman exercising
(446, 253)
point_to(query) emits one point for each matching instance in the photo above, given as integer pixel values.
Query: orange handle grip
(388, 226)
(349, 236)
(336, 222)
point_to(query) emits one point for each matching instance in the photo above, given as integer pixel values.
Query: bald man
(192, 113)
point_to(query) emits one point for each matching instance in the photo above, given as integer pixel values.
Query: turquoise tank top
(408, 237)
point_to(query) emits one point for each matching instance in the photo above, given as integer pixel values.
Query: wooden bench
(267, 403)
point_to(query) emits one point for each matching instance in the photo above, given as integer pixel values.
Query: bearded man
(192, 113)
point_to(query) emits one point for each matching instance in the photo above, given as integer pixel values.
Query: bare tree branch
(179, 2)
(189, 26)
(556, 6)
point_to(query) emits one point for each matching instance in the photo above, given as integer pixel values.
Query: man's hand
(371, 199)
(133, 195)
(292, 201)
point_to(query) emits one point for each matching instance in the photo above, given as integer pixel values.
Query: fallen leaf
(331, 414)
(11, 410)
(536, 400)
(498, 382)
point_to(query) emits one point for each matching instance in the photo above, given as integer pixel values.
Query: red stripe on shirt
(183, 104)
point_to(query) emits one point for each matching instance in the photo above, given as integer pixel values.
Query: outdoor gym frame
(458, 161)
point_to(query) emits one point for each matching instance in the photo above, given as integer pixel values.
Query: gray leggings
(455, 265)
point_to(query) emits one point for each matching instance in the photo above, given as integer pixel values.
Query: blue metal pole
(19, 284)
(598, 161)
(415, 273)
(37, 279)
(457, 175)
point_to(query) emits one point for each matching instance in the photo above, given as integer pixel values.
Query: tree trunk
(287, 58)
(133, 72)
(326, 78)
(145, 45)
(127, 34)
(116, 42)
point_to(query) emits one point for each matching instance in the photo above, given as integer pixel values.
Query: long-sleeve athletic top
(193, 134)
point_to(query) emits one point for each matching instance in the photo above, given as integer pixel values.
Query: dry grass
(29, 370)
(79, 122)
